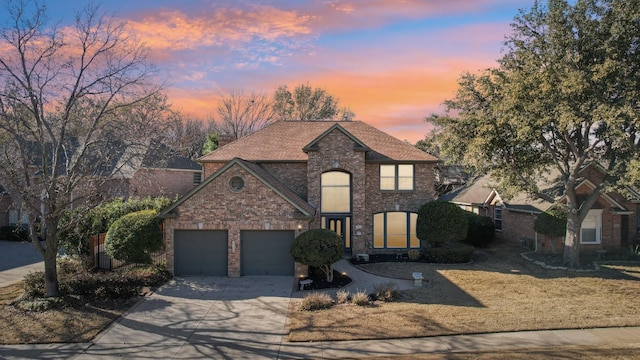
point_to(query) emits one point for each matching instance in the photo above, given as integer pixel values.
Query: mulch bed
(320, 280)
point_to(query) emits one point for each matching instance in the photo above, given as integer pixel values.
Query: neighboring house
(611, 223)
(264, 189)
(159, 173)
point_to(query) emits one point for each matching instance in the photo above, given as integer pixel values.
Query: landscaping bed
(72, 317)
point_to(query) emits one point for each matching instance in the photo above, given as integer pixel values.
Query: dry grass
(499, 291)
(77, 323)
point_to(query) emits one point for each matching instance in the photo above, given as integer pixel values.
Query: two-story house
(259, 192)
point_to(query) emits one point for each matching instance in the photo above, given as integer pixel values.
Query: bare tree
(307, 103)
(66, 99)
(240, 114)
(186, 136)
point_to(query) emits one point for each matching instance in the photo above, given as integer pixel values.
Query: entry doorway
(342, 226)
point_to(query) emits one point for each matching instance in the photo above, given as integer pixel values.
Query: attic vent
(236, 183)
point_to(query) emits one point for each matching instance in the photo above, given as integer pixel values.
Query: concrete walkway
(246, 318)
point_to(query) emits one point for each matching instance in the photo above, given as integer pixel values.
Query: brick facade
(217, 207)
(320, 147)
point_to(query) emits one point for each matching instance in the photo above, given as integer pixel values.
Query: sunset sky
(392, 62)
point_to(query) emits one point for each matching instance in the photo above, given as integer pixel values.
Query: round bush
(134, 236)
(319, 248)
(481, 229)
(440, 222)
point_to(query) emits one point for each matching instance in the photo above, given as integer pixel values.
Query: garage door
(200, 252)
(267, 253)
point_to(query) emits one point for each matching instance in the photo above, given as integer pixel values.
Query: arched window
(336, 192)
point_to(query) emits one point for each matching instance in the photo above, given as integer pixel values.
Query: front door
(342, 226)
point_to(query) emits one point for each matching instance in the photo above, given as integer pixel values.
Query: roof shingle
(285, 140)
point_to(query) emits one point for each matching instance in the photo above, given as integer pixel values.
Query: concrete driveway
(202, 317)
(15, 254)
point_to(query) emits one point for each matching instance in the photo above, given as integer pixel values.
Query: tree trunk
(50, 274)
(328, 270)
(574, 223)
(51, 286)
(572, 240)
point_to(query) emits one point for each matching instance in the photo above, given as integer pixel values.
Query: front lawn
(74, 318)
(498, 291)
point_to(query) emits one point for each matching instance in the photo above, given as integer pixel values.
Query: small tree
(440, 222)
(134, 236)
(319, 248)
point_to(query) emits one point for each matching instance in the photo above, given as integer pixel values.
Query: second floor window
(396, 177)
(336, 192)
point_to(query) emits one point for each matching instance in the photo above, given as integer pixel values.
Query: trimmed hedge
(440, 222)
(133, 237)
(451, 253)
(481, 229)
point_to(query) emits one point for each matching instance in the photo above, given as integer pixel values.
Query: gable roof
(482, 192)
(287, 141)
(474, 193)
(265, 177)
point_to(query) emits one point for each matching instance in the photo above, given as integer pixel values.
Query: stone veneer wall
(216, 207)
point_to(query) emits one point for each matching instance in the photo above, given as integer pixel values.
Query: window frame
(348, 186)
(409, 232)
(597, 214)
(497, 212)
(396, 177)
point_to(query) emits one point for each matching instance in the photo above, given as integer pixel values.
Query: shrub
(481, 229)
(14, 233)
(440, 222)
(414, 254)
(386, 292)
(33, 285)
(134, 236)
(450, 254)
(315, 301)
(360, 298)
(343, 296)
(111, 285)
(83, 222)
(318, 248)
(552, 222)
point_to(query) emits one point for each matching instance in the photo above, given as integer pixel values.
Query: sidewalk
(546, 339)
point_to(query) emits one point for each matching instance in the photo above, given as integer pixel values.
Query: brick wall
(516, 226)
(216, 207)
(337, 149)
(294, 175)
(381, 201)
